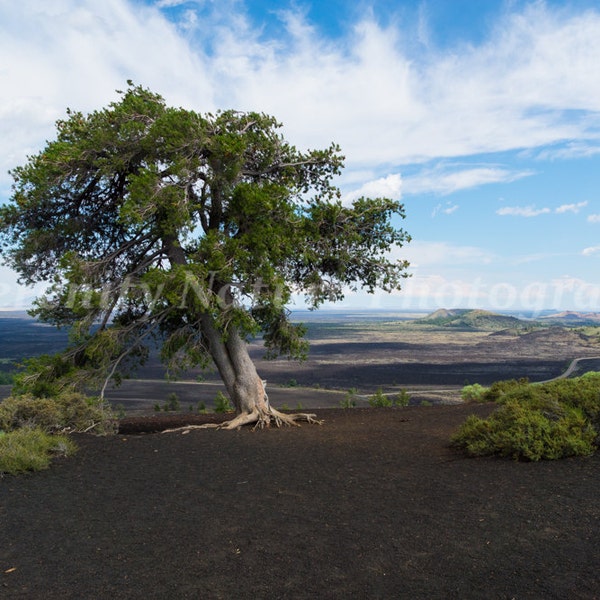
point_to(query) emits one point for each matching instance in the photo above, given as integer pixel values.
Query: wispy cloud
(574, 208)
(532, 211)
(522, 211)
(446, 209)
(593, 218)
(384, 102)
(445, 180)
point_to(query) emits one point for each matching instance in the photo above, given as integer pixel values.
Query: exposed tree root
(261, 419)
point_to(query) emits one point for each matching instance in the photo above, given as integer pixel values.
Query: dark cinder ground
(372, 504)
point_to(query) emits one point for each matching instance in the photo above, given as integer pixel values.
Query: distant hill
(570, 318)
(464, 318)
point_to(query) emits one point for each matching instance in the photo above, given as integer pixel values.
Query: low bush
(379, 399)
(69, 411)
(27, 449)
(473, 393)
(537, 421)
(222, 404)
(172, 404)
(349, 400)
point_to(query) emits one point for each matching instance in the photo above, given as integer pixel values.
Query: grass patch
(27, 449)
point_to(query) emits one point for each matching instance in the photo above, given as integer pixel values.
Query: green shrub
(349, 400)
(380, 400)
(473, 393)
(6, 378)
(200, 407)
(26, 449)
(69, 411)
(172, 403)
(222, 404)
(498, 389)
(537, 421)
(402, 398)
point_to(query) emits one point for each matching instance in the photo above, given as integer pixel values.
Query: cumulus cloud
(522, 211)
(593, 218)
(384, 187)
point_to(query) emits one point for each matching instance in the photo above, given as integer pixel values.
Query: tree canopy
(155, 224)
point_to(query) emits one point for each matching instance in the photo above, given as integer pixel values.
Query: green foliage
(473, 393)
(381, 400)
(200, 407)
(6, 378)
(222, 404)
(349, 400)
(27, 449)
(499, 389)
(537, 421)
(159, 225)
(45, 376)
(402, 399)
(172, 404)
(68, 411)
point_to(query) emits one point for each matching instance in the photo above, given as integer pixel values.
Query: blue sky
(482, 116)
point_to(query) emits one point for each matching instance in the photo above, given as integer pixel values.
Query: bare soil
(372, 504)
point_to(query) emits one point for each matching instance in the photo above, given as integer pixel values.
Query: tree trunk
(229, 352)
(244, 386)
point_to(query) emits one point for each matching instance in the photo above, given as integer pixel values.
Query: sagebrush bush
(68, 411)
(27, 449)
(537, 421)
(473, 393)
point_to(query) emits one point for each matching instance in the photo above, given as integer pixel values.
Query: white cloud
(522, 211)
(533, 82)
(574, 208)
(76, 53)
(386, 187)
(594, 218)
(591, 251)
(441, 180)
(446, 209)
(571, 150)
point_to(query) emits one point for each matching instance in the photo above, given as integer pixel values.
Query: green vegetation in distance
(381, 400)
(550, 420)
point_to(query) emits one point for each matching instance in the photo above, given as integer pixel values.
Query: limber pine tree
(159, 225)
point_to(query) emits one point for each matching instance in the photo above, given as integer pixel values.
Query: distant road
(574, 364)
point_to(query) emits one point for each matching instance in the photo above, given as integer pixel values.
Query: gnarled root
(261, 419)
